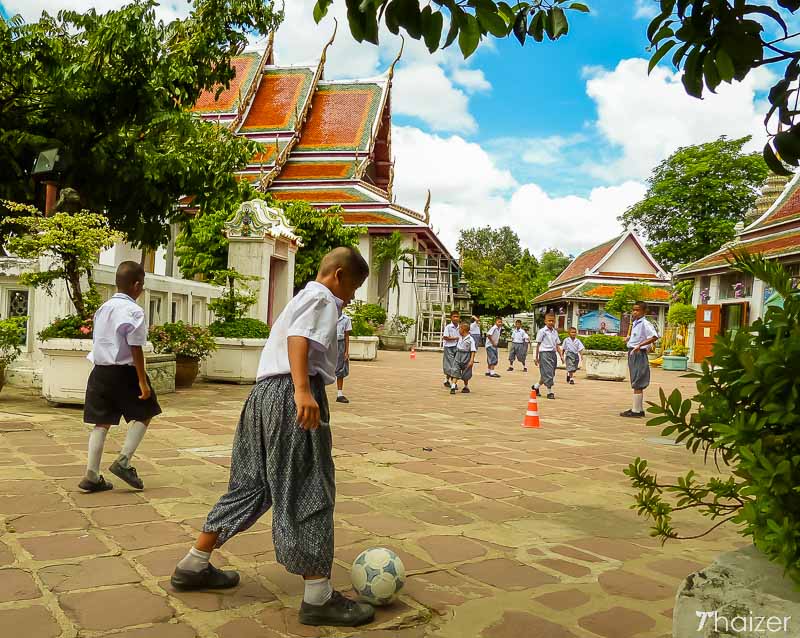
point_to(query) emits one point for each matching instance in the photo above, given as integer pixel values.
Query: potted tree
(366, 318)
(680, 315)
(189, 344)
(605, 357)
(12, 334)
(394, 335)
(239, 339)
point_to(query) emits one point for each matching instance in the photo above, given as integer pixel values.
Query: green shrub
(746, 414)
(69, 327)
(679, 351)
(372, 313)
(244, 328)
(561, 335)
(182, 340)
(399, 325)
(681, 314)
(361, 328)
(12, 335)
(610, 343)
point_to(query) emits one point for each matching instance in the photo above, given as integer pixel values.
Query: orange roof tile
(586, 261)
(636, 275)
(299, 170)
(280, 98)
(209, 103)
(331, 195)
(550, 295)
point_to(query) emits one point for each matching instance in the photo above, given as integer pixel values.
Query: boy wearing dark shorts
(643, 335)
(118, 385)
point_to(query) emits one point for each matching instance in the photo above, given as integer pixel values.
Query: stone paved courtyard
(505, 532)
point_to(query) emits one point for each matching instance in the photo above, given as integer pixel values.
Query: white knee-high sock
(97, 440)
(195, 560)
(135, 435)
(638, 403)
(318, 592)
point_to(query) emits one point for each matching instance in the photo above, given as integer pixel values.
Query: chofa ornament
(254, 219)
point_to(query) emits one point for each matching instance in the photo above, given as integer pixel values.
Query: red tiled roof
(280, 98)
(300, 170)
(636, 275)
(245, 66)
(325, 195)
(776, 245)
(586, 261)
(788, 210)
(603, 291)
(551, 294)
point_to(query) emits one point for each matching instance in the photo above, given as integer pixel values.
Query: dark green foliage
(182, 340)
(610, 343)
(362, 328)
(746, 414)
(12, 337)
(69, 327)
(242, 328)
(681, 314)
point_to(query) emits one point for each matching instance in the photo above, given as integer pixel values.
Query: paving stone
(35, 622)
(162, 493)
(115, 608)
(27, 487)
(451, 496)
(96, 572)
(678, 568)
(6, 557)
(163, 630)
(441, 590)
(384, 524)
(284, 621)
(250, 545)
(32, 503)
(441, 516)
(617, 622)
(110, 516)
(51, 521)
(494, 511)
(564, 599)
(514, 624)
(493, 490)
(16, 584)
(57, 546)
(616, 548)
(145, 535)
(240, 628)
(538, 505)
(104, 499)
(64, 471)
(357, 488)
(246, 593)
(565, 567)
(571, 552)
(451, 549)
(506, 574)
(352, 507)
(623, 583)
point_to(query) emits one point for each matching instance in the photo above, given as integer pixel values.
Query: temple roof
(785, 209)
(281, 100)
(597, 291)
(229, 101)
(585, 261)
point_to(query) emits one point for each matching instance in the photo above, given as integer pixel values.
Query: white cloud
(425, 92)
(473, 80)
(31, 10)
(647, 117)
(469, 189)
(546, 151)
(646, 9)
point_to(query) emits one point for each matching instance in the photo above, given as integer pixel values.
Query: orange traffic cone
(413, 353)
(531, 419)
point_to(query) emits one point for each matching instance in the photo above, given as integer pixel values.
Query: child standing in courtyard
(643, 335)
(475, 332)
(118, 385)
(465, 358)
(519, 346)
(572, 354)
(282, 452)
(343, 329)
(492, 340)
(450, 336)
(548, 349)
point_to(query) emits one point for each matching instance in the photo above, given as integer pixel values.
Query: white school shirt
(313, 313)
(642, 331)
(345, 324)
(548, 340)
(118, 324)
(573, 345)
(475, 328)
(518, 335)
(450, 331)
(494, 335)
(467, 344)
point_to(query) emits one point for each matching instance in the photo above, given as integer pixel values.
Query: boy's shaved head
(348, 259)
(128, 273)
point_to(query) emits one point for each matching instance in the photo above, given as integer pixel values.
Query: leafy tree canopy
(695, 198)
(110, 91)
(500, 245)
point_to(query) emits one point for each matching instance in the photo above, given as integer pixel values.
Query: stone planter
(742, 594)
(235, 360)
(186, 369)
(678, 364)
(393, 342)
(65, 370)
(605, 365)
(363, 348)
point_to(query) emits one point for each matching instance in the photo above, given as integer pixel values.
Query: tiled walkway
(505, 532)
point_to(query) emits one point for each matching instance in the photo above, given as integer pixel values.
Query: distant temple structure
(579, 294)
(329, 143)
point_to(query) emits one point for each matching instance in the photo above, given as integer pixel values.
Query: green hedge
(245, 328)
(605, 342)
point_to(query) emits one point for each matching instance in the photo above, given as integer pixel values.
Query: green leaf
(711, 74)
(321, 9)
(493, 23)
(520, 27)
(433, 26)
(579, 6)
(775, 165)
(659, 54)
(469, 36)
(724, 65)
(787, 144)
(410, 17)
(452, 32)
(559, 25)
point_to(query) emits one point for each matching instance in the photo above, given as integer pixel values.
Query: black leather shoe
(632, 415)
(209, 578)
(127, 474)
(100, 485)
(339, 611)
(342, 399)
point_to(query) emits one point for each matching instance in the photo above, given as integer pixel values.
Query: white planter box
(606, 365)
(363, 348)
(235, 360)
(66, 369)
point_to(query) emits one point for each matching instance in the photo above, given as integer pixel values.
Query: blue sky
(555, 139)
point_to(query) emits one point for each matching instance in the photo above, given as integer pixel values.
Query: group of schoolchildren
(461, 341)
(282, 450)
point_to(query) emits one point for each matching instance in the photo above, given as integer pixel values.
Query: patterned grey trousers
(275, 463)
(548, 361)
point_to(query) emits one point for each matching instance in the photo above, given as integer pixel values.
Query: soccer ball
(377, 575)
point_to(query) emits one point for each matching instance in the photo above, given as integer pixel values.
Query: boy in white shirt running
(450, 336)
(519, 346)
(642, 336)
(492, 339)
(572, 354)
(548, 349)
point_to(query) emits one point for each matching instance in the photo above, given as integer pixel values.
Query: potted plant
(66, 246)
(363, 342)
(605, 357)
(743, 423)
(12, 334)
(677, 359)
(189, 344)
(394, 334)
(239, 339)
(680, 315)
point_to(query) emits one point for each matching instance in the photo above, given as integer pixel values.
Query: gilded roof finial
(397, 59)
(330, 42)
(428, 209)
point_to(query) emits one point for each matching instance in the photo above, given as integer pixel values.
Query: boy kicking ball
(282, 452)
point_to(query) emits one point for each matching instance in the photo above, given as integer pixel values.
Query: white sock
(340, 393)
(135, 435)
(638, 403)
(97, 440)
(454, 386)
(318, 592)
(195, 560)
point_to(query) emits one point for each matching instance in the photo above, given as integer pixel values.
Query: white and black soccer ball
(377, 575)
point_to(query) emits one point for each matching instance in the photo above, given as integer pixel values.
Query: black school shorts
(113, 392)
